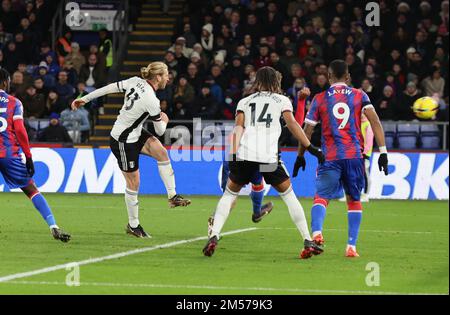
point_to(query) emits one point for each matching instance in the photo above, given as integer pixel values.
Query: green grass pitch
(408, 240)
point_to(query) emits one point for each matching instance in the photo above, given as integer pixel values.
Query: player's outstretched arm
(109, 89)
(303, 140)
(379, 137)
(237, 132)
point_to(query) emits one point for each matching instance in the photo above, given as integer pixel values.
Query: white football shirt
(262, 111)
(140, 103)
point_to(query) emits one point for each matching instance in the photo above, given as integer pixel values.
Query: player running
(339, 109)
(129, 138)
(13, 138)
(255, 148)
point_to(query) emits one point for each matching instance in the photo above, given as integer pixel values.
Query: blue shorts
(333, 176)
(256, 178)
(14, 172)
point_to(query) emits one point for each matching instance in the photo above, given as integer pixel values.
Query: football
(425, 107)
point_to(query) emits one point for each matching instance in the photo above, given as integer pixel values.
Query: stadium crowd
(217, 47)
(220, 44)
(46, 80)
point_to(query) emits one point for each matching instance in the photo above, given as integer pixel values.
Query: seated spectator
(92, 74)
(63, 88)
(182, 98)
(10, 56)
(216, 89)
(248, 83)
(33, 103)
(76, 57)
(182, 49)
(367, 87)
(72, 76)
(193, 77)
(55, 132)
(27, 78)
(54, 103)
(386, 105)
(167, 94)
(434, 83)
(407, 99)
(207, 39)
(263, 59)
(38, 84)
(77, 123)
(235, 71)
(53, 66)
(18, 86)
(42, 72)
(189, 36)
(205, 105)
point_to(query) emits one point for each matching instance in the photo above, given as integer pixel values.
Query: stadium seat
(430, 137)
(390, 134)
(407, 135)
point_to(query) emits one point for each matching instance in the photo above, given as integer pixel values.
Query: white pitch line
(113, 256)
(209, 287)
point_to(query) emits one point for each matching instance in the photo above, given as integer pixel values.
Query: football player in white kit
(129, 139)
(255, 148)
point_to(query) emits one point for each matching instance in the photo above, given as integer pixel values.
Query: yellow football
(425, 107)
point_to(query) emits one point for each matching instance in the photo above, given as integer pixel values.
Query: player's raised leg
(155, 149)
(298, 217)
(42, 206)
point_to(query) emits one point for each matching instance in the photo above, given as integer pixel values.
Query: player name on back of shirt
(346, 91)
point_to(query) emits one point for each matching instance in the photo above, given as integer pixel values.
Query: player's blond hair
(267, 79)
(153, 69)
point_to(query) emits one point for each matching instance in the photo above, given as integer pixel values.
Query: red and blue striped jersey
(339, 109)
(10, 109)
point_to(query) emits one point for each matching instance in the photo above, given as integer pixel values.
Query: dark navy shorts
(333, 176)
(14, 172)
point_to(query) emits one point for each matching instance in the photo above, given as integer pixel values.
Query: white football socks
(168, 177)
(296, 212)
(223, 211)
(131, 200)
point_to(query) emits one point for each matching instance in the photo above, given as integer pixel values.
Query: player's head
(156, 72)
(4, 80)
(267, 79)
(338, 71)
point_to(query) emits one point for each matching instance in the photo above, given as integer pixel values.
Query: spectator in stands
(218, 77)
(27, 78)
(235, 71)
(72, 76)
(55, 132)
(92, 74)
(106, 48)
(77, 123)
(180, 48)
(33, 103)
(38, 84)
(386, 105)
(63, 88)
(5, 37)
(434, 83)
(23, 49)
(172, 63)
(182, 98)
(248, 83)
(10, 56)
(101, 58)
(76, 57)
(407, 99)
(263, 59)
(205, 106)
(18, 86)
(53, 66)
(207, 39)
(49, 80)
(8, 17)
(54, 103)
(167, 94)
(63, 47)
(215, 88)
(180, 57)
(191, 39)
(193, 77)
(289, 58)
(320, 85)
(367, 87)
(44, 51)
(204, 60)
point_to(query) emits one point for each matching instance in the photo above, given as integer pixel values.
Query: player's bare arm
(108, 89)
(379, 137)
(237, 133)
